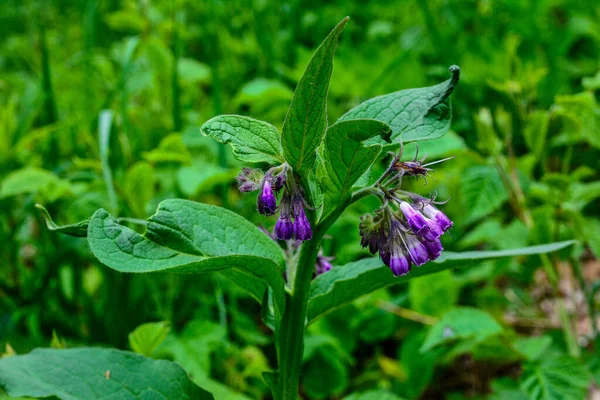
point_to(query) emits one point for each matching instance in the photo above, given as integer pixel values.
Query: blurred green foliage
(100, 106)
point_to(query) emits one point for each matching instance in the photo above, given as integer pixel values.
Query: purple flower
(323, 265)
(399, 261)
(417, 250)
(280, 181)
(302, 228)
(416, 221)
(439, 217)
(434, 248)
(284, 228)
(385, 256)
(266, 202)
(434, 231)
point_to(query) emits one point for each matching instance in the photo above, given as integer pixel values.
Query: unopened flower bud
(266, 201)
(439, 217)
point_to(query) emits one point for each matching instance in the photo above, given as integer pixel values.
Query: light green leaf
(138, 186)
(482, 190)
(346, 158)
(536, 131)
(78, 229)
(147, 337)
(443, 286)
(188, 237)
(89, 373)
(306, 120)
(533, 348)
(561, 378)
(413, 114)
(346, 283)
(32, 180)
(252, 141)
(461, 323)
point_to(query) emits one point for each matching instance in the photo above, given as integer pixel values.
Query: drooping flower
(302, 229)
(399, 262)
(416, 221)
(266, 201)
(439, 217)
(416, 250)
(284, 228)
(434, 248)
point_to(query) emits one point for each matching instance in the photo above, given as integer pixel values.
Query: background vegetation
(100, 106)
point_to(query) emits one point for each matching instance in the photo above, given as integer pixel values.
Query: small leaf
(461, 323)
(351, 281)
(89, 373)
(446, 290)
(147, 337)
(533, 348)
(536, 131)
(32, 180)
(482, 190)
(79, 229)
(252, 141)
(306, 119)
(188, 237)
(346, 158)
(555, 378)
(413, 114)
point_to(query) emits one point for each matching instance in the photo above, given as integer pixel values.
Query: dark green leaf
(88, 373)
(188, 237)
(252, 141)
(555, 378)
(461, 323)
(346, 283)
(79, 229)
(306, 120)
(346, 158)
(413, 114)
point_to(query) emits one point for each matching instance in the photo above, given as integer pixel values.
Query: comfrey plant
(309, 173)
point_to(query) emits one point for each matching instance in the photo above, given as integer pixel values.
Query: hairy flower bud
(399, 262)
(266, 201)
(284, 228)
(322, 265)
(249, 180)
(280, 181)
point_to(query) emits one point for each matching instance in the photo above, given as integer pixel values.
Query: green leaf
(446, 290)
(325, 362)
(33, 180)
(306, 119)
(346, 158)
(482, 190)
(89, 373)
(346, 283)
(188, 237)
(561, 378)
(536, 131)
(461, 323)
(78, 229)
(252, 141)
(138, 187)
(533, 348)
(413, 114)
(147, 337)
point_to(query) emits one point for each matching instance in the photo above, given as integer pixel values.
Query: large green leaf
(188, 237)
(253, 141)
(346, 158)
(306, 119)
(461, 323)
(89, 373)
(561, 378)
(344, 284)
(414, 114)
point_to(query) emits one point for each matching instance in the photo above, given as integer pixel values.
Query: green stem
(589, 296)
(293, 323)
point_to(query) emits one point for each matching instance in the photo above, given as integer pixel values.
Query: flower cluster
(292, 222)
(405, 236)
